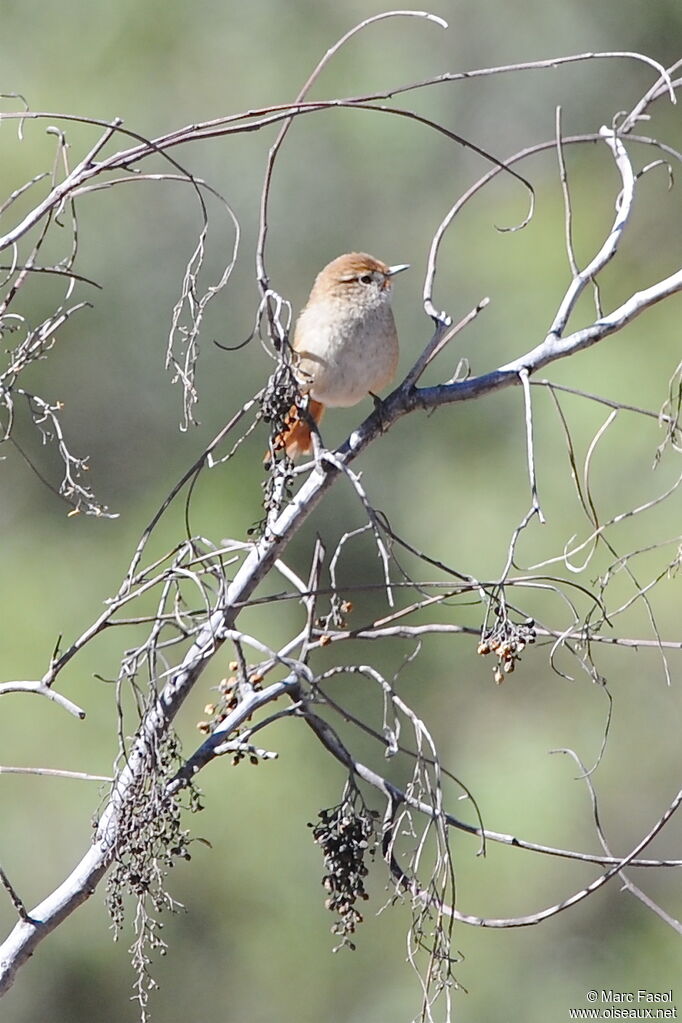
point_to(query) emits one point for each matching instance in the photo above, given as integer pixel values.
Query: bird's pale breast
(342, 358)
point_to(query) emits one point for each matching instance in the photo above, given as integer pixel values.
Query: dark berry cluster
(280, 401)
(151, 837)
(346, 834)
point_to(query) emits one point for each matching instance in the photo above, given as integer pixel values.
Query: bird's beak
(397, 269)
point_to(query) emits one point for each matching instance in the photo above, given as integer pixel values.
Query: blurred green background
(254, 942)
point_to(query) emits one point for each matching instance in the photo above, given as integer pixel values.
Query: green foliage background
(254, 942)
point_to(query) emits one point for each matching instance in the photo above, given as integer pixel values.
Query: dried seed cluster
(151, 836)
(336, 619)
(507, 640)
(228, 701)
(277, 490)
(346, 834)
(280, 401)
(280, 397)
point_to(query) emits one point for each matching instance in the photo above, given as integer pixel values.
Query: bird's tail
(296, 437)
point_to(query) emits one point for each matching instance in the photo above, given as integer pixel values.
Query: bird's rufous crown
(351, 267)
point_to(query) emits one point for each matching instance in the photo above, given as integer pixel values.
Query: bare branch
(41, 689)
(54, 772)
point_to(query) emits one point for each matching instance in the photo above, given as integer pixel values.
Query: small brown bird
(345, 342)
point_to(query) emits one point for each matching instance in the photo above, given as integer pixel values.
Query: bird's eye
(365, 279)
